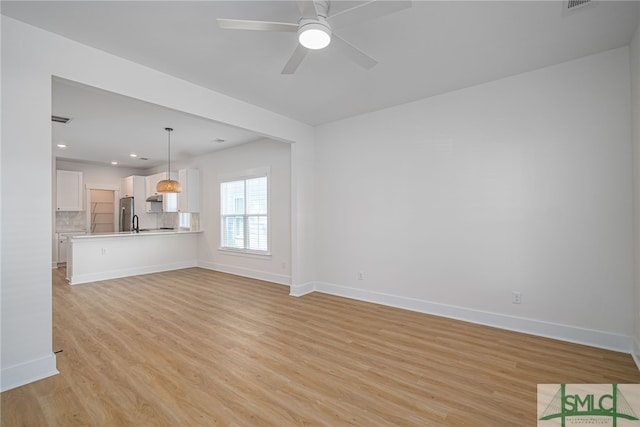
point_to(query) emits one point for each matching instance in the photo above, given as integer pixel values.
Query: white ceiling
(106, 127)
(428, 49)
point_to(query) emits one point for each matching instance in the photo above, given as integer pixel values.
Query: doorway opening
(102, 211)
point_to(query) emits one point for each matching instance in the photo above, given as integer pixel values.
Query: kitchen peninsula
(94, 257)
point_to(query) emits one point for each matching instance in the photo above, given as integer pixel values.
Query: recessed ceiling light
(61, 145)
(218, 140)
(114, 163)
(133, 155)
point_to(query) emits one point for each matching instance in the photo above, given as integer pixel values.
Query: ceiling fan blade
(307, 9)
(295, 60)
(353, 53)
(241, 24)
(366, 12)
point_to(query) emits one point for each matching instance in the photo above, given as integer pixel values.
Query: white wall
(30, 57)
(635, 133)
(265, 153)
(449, 204)
(98, 174)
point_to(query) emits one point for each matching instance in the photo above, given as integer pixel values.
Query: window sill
(245, 253)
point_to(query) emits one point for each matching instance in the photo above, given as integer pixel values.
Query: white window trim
(180, 216)
(245, 253)
(245, 174)
(239, 176)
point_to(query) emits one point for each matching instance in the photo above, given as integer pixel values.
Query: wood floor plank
(195, 347)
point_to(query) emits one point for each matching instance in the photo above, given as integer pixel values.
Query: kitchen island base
(98, 257)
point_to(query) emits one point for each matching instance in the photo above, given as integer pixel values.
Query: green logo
(588, 404)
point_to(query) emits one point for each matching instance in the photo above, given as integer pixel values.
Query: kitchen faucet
(135, 224)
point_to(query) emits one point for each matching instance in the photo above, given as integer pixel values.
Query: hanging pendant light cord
(169, 154)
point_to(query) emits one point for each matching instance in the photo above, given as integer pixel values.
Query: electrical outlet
(360, 275)
(104, 251)
(516, 298)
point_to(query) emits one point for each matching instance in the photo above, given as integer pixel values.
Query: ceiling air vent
(59, 119)
(570, 6)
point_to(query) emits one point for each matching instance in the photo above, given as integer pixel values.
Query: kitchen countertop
(132, 233)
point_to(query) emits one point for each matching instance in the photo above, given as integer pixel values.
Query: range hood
(155, 198)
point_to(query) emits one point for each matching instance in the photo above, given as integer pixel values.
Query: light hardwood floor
(199, 348)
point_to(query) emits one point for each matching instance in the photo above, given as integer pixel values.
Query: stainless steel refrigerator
(126, 213)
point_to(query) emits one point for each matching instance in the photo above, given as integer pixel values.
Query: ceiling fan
(315, 28)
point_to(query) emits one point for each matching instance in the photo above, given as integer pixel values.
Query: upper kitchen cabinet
(152, 181)
(133, 186)
(69, 191)
(189, 198)
(169, 200)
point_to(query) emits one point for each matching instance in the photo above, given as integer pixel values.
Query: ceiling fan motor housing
(322, 8)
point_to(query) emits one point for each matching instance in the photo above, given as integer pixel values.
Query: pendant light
(169, 185)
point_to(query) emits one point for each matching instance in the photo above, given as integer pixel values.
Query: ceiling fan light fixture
(314, 34)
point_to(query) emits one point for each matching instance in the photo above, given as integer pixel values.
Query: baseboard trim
(280, 279)
(636, 352)
(594, 338)
(28, 372)
(302, 289)
(116, 274)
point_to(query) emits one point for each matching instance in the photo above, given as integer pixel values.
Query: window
(185, 220)
(244, 215)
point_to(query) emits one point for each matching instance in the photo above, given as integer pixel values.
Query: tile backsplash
(71, 221)
(76, 221)
(167, 220)
(172, 220)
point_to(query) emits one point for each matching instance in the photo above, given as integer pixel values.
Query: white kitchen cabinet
(152, 181)
(128, 187)
(62, 248)
(135, 186)
(69, 191)
(189, 198)
(169, 200)
(63, 244)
